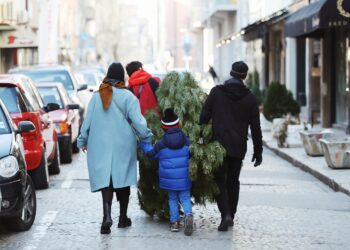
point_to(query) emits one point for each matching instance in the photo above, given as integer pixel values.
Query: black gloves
(257, 158)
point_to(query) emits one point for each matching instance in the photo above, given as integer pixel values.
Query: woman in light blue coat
(109, 135)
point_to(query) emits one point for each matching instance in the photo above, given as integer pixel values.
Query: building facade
(302, 44)
(324, 25)
(214, 20)
(18, 37)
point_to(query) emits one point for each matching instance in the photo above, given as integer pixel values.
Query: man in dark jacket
(233, 109)
(143, 86)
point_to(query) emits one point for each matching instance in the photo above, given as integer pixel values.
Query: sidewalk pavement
(337, 179)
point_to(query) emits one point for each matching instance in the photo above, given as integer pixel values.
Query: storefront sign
(13, 40)
(314, 18)
(342, 11)
(337, 24)
(315, 21)
(22, 37)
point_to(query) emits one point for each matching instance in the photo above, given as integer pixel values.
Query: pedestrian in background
(233, 109)
(173, 154)
(109, 134)
(143, 85)
(213, 74)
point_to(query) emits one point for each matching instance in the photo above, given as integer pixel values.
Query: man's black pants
(227, 180)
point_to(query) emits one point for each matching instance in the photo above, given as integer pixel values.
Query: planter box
(292, 140)
(311, 141)
(335, 152)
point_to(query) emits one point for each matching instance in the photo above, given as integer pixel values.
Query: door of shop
(340, 71)
(8, 59)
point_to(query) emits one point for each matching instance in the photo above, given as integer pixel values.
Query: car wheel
(26, 219)
(67, 151)
(75, 147)
(40, 176)
(54, 168)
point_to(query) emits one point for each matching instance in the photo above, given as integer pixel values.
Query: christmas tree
(181, 92)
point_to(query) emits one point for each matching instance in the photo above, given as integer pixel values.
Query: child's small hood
(174, 138)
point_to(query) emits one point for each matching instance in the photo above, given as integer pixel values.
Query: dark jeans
(227, 179)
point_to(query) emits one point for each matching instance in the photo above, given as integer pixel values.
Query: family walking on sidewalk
(114, 124)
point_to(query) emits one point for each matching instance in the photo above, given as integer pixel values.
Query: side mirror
(25, 127)
(82, 87)
(52, 107)
(73, 106)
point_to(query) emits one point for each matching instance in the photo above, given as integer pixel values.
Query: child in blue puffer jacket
(173, 154)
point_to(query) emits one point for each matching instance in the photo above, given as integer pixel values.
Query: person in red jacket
(143, 85)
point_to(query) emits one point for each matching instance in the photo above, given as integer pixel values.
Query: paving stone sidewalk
(337, 179)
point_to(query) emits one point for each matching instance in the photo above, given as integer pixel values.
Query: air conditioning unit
(22, 17)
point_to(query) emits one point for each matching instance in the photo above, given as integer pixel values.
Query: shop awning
(257, 30)
(312, 20)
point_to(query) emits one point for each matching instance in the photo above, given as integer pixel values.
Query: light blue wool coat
(110, 140)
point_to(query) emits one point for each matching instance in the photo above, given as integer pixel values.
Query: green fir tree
(253, 83)
(181, 92)
(279, 102)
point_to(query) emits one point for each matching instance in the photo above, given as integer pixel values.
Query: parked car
(93, 79)
(93, 68)
(66, 118)
(17, 192)
(54, 74)
(24, 103)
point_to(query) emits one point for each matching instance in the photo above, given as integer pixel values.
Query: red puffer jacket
(144, 87)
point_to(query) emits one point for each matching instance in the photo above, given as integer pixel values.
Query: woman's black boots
(107, 197)
(123, 198)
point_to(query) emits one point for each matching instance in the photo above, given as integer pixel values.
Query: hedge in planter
(181, 93)
(253, 83)
(279, 102)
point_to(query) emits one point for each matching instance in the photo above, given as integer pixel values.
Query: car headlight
(8, 166)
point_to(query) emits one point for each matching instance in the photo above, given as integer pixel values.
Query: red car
(66, 118)
(24, 103)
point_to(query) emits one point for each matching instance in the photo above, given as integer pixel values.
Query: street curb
(323, 178)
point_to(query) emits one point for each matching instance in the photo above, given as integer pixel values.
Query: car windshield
(50, 95)
(89, 79)
(51, 76)
(4, 126)
(9, 97)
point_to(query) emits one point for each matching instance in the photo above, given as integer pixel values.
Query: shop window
(340, 77)
(301, 61)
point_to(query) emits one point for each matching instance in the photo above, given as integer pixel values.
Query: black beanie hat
(170, 119)
(116, 71)
(239, 70)
(133, 67)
